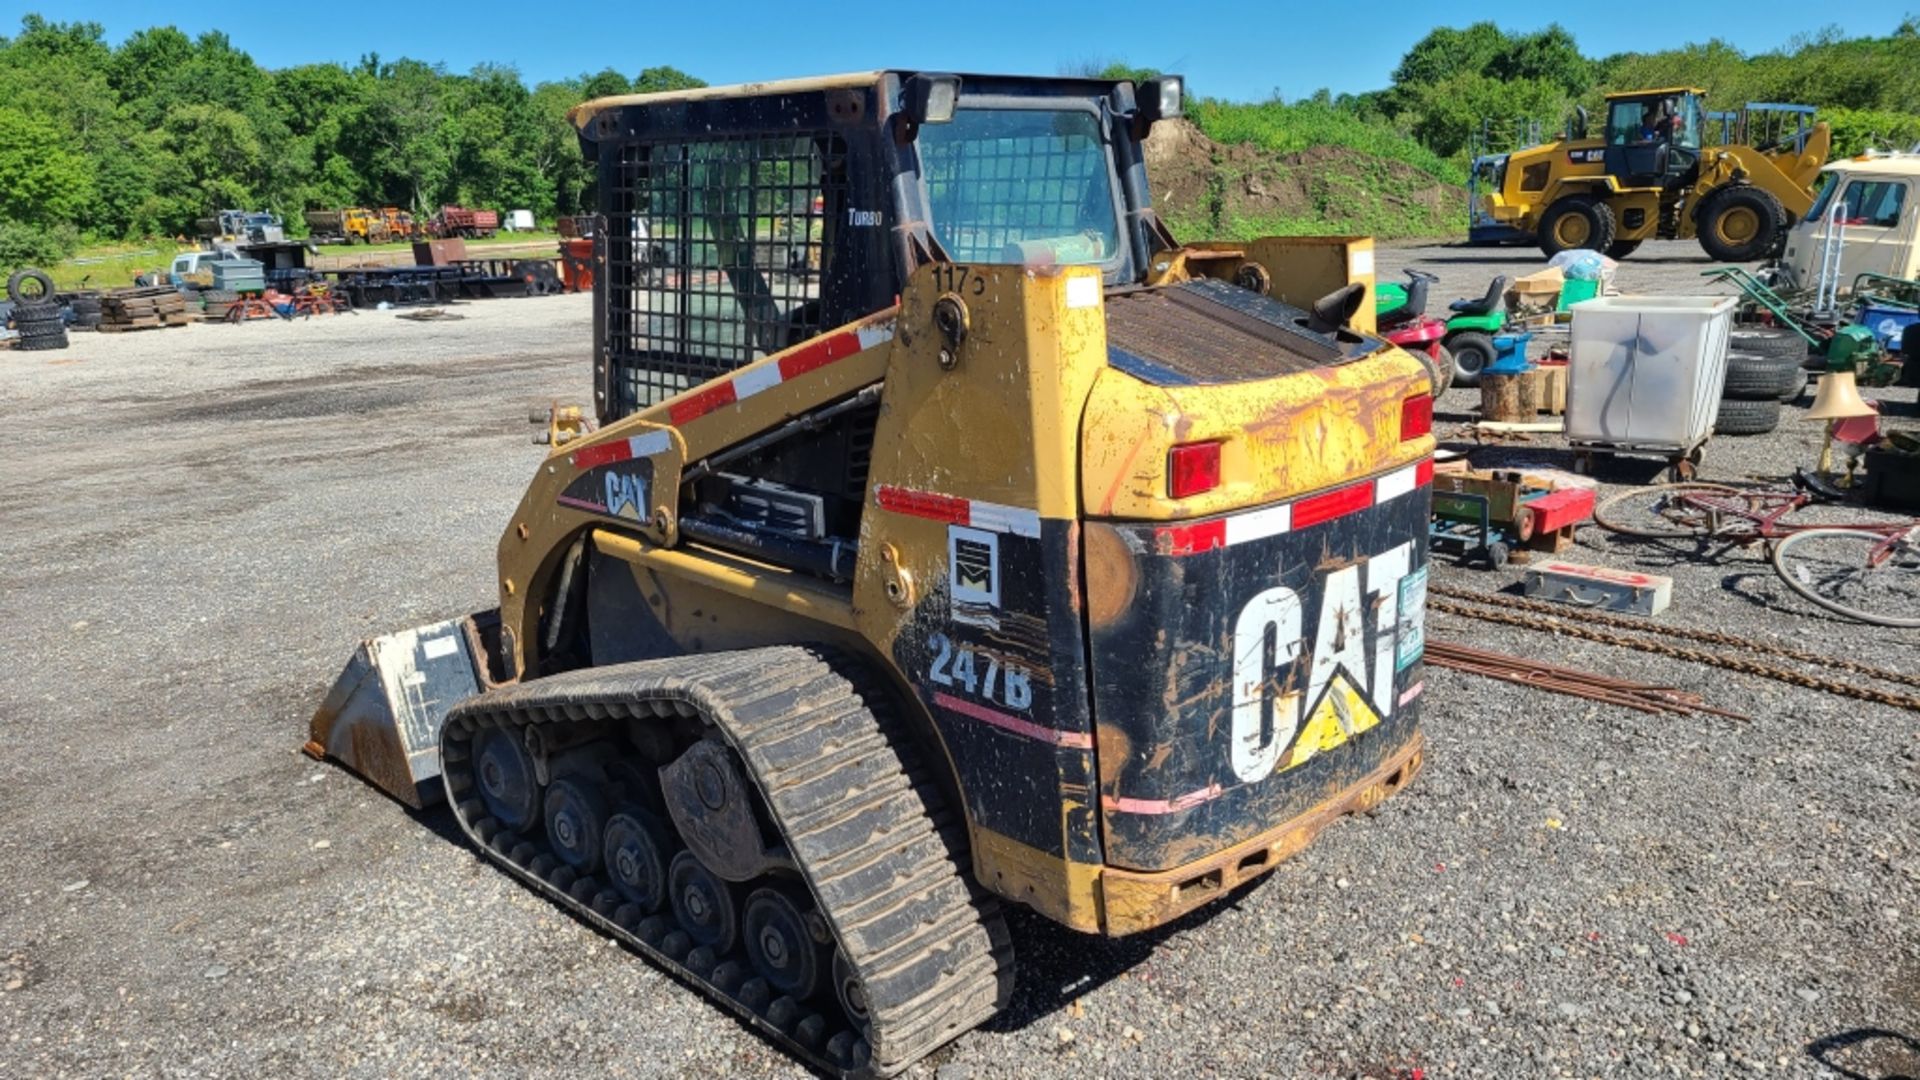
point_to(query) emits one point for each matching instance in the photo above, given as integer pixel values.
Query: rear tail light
(1193, 468)
(1416, 417)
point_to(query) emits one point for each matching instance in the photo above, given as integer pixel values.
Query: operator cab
(1653, 136)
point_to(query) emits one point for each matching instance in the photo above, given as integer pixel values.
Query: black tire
(42, 344)
(1755, 377)
(1746, 417)
(30, 312)
(1472, 352)
(1620, 249)
(1432, 369)
(1445, 367)
(1576, 222)
(21, 277)
(1740, 223)
(49, 328)
(1767, 341)
(1793, 383)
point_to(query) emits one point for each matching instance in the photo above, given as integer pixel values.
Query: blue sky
(1239, 51)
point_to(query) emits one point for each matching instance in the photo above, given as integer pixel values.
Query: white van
(1877, 222)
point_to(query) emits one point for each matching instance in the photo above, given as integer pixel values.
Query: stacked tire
(85, 309)
(1763, 370)
(36, 312)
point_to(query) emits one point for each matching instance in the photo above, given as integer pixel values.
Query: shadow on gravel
(1056, 965)
(1868, 1054)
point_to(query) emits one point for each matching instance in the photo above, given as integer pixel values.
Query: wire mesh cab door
(732, 229)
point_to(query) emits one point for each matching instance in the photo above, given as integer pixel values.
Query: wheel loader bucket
(382, 717)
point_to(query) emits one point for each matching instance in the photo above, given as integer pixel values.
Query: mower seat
(1413, 308)
(1486, 305)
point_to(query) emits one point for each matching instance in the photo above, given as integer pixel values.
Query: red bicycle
(1865, 570)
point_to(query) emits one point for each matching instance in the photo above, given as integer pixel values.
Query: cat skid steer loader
(951, 538)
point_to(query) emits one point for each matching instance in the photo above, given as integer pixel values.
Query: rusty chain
(1681, 652)
(1709, 637)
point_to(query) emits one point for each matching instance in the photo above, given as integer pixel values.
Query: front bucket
(382, 717)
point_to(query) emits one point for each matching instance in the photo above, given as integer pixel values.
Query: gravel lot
(201, 522)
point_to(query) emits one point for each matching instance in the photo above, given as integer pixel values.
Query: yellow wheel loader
(1002, 551)
(1655, 173)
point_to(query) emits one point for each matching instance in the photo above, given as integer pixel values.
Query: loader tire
(1740, 224)
(20, 295)
(1757, 377)
(1576, 221)
(867, 943)
(1736, 417)
(1620, 249)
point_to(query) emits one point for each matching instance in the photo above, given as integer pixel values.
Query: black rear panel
(1247, 670)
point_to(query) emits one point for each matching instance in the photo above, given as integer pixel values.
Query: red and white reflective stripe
(766, 376)
(1191, 539)
(1412, 692)
(1123, 804)
(645, 444)
(993, 517)
(1072, 740)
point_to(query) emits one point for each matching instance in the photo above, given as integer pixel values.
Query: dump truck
(1654, 173)
(467, 224)
(350, 225)
(1009, 553)
(401, 224)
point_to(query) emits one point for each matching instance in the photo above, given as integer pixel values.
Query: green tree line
(104, 141)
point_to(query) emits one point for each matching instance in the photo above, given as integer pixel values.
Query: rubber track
(883, 857)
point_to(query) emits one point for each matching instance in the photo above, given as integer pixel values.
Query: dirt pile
(1205, 188)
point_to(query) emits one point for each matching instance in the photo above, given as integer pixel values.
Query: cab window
(1689, 123)
(1624, 123)
(1874, 203)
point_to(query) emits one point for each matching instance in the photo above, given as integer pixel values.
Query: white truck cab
(1875, 224)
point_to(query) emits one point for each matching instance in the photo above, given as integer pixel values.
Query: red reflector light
(1193, 468)
(1346, 500)
(1416, 416)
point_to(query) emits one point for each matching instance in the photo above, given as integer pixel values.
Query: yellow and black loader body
(1119, 546)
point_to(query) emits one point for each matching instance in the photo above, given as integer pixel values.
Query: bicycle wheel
(1665, 511)
(1863, 575)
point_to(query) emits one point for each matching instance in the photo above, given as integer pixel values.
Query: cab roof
(1895, 164)
(581, 115)
(1694, 90)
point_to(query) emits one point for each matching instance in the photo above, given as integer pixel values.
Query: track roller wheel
(703, 903)
(783, 946)
(505, 772)
(637, 850)
(576, 821)
(849, 991)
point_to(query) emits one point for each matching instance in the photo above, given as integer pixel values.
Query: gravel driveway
(201, 522)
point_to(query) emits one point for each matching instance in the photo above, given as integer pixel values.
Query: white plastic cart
(1644, 375)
